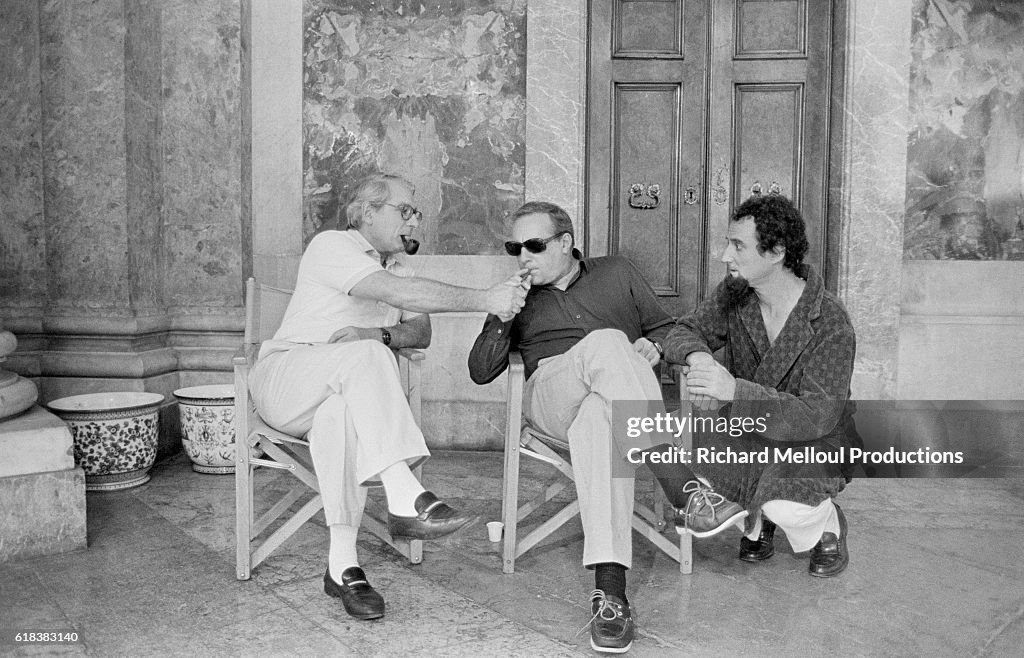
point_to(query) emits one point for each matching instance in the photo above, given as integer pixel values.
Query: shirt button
(577, 317)
(500, 330)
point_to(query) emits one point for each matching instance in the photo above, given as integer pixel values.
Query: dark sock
(671, 477)
(610, 577)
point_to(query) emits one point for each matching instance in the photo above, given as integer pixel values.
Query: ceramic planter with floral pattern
(207, 426)
(115, 436)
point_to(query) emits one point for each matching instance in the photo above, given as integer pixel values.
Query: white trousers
(803, 524)
(569, 397)
(348, 398)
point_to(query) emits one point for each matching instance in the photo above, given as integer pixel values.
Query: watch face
(385, 336)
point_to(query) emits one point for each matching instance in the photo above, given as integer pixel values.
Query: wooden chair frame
(254, 540)
(521, 439)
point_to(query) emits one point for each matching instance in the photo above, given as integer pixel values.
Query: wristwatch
(657, 346)
(385, 336)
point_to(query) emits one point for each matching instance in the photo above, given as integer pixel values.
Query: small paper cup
(494, 529)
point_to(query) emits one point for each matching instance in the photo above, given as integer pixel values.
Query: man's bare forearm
(428, 296)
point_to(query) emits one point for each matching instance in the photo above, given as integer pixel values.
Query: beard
(410, 245)
(736, 290)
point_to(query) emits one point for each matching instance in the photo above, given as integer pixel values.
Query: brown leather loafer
(763, 548)
(357, 595)
(434, 519)
(830, 556)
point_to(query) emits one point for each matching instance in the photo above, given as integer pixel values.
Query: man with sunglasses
(328, 374)
(590, 333)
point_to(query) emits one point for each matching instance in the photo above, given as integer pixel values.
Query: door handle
(774, 188)
(644, 199)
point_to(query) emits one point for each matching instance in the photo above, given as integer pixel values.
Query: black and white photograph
(511, 327)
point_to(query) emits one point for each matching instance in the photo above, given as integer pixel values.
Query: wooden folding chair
(259, 445)
(521, 438)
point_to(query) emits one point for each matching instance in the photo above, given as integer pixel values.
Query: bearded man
(788, 352)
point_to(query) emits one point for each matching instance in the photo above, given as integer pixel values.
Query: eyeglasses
(408, 212)
(533, 245)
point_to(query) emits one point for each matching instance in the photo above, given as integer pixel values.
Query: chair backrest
(264, 309)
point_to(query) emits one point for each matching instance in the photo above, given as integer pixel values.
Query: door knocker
(641, 201)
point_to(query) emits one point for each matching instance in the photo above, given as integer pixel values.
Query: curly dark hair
(778, 222)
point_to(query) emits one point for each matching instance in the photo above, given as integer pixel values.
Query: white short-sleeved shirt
(333, 263)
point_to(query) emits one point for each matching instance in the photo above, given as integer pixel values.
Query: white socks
(402, 488)
(343, 550)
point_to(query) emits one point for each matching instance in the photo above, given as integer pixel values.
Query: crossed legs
(570, 397)
(348, 399)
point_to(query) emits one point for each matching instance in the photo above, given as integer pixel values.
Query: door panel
(706, 99)
(647, 29)
(767, 126)
(643, 220)
(645, 128)
(768, 113)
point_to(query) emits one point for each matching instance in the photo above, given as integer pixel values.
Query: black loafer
(434, 519)
(763, 548)
(830, 556)
(357, 595)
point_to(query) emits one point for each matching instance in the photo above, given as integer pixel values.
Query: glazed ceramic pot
(208, 426)
(115, 436)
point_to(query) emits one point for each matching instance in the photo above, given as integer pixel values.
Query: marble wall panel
(202, 152)
(556, 104)
(965, 178)
(432, 91)
(22, 244)
(876, 120)
(82, 48)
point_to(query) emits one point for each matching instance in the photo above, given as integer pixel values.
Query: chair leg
(243, 522)
(510, 505)
(686, 553)
(416, 545)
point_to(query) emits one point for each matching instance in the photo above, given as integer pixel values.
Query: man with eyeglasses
(590, 333)
(328, 373)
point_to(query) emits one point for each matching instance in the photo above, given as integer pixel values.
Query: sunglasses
(407, 211)
(533, 245)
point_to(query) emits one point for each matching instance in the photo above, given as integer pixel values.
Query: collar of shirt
(579, 274)
(386, 262)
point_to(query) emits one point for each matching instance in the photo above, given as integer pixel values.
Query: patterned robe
(799, 386)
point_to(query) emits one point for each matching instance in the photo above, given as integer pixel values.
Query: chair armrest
(516, 375)
(514, 402)
(245, 356)
(677, 374)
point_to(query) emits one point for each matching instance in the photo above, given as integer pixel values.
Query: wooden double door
(694, 105)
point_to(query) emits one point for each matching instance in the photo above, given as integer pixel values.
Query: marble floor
(937, 568)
